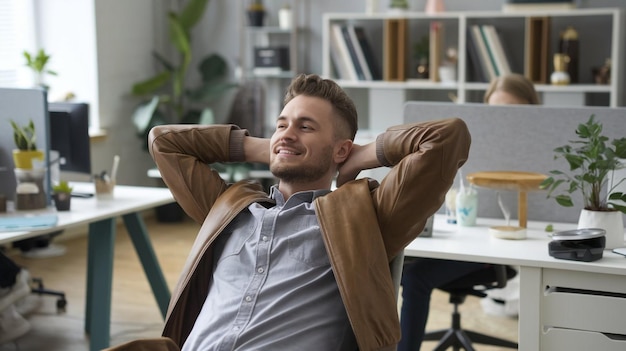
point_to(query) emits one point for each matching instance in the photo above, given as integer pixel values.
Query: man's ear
(342, 150)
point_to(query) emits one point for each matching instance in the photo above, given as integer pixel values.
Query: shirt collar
(299, 197)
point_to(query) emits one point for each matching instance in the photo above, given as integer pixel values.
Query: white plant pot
(610, 221)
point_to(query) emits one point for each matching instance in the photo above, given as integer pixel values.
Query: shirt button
(260, 270)
(264, 238)
(248, 299)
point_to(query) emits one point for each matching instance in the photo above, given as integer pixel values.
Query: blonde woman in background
(422, 275)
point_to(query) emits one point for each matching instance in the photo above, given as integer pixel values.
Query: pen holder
(104, 189)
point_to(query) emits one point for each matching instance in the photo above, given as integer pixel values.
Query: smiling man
(303, 267)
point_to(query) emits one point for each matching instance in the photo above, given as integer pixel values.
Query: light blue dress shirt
(273, 287)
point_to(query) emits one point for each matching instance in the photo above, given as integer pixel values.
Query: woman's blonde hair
(516, 85)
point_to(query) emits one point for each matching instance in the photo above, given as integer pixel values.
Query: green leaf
(213, 67)
(192, 13)
(178, 36)
(142, 117)
(564, 201)
(150, 86)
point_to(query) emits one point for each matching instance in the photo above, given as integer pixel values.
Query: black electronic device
(69, 135)
(578, 245)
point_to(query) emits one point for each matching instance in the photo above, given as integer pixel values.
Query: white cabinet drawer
(578, 340)
(583, 301)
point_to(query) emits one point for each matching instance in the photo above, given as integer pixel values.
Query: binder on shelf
(537, 49)
(394, 49)
(482, 51)
(353, 54)
(490, 53)
(340, 54)
(495, 45)
(365, 52)
(435, 42)
(479, 71)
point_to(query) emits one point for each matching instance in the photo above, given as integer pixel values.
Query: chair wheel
(61, 303)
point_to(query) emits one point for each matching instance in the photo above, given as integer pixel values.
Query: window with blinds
(17, 28)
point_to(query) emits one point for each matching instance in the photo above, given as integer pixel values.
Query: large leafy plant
(591, 158)
(167, 99)
(38, 62)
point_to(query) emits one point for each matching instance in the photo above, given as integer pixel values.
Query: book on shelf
(494, 45)
(537, 49)
(435, 42)
(394, 49)
(482, 52)
(478, 69)
(365, 52)
(360, 73)
(490, 54)
(340, 55)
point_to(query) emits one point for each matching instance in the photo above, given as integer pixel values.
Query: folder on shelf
(394, 49)
(494, 44)
(340, 54)
(482, 51)
(352, 50)
(479, 73)
(537, 49)
(365, 53)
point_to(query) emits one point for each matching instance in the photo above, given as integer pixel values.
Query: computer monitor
(69, 135)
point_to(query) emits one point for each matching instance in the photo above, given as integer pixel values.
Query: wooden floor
(134, 310)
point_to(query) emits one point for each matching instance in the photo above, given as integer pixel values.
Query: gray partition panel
(20, 105)
(522, 138)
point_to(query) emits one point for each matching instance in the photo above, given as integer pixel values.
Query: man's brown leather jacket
(364, 224)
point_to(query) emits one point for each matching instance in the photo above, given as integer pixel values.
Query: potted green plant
(591, 159)
(166, 97)
(38, 62)
(62, 195)
(26, 145)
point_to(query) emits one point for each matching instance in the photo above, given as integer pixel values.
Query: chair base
(458, 338)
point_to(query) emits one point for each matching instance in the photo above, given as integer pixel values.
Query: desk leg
(530, 308)
(143, 247)
(100, 249)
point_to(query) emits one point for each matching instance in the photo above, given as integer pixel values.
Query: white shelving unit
(270, 34)
(601, 36)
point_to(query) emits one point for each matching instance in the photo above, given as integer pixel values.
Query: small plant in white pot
(592, 158)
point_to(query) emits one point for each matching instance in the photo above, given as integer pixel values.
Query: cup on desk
(104, 188)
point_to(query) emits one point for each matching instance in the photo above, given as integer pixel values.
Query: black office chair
(476, 284)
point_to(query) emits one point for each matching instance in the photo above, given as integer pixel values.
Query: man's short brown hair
(315, 86)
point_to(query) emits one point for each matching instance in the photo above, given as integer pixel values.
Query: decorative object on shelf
(568, 45)
(447, 70)
(285, 19)
(421, 55)
(256, 13)
(166, 97)
(371, 6)
(26, 146)
(560, 75)
(62, 195)
(38, 64)
(602, 75)
(591, 161)
(434, 6)
(398, 5)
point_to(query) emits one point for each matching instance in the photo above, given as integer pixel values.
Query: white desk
(100, 215)
(548, 320)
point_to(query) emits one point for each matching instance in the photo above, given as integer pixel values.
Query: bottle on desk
(466, 206)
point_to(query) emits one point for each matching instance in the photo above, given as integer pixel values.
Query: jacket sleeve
(183, 154)
(424, 158)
